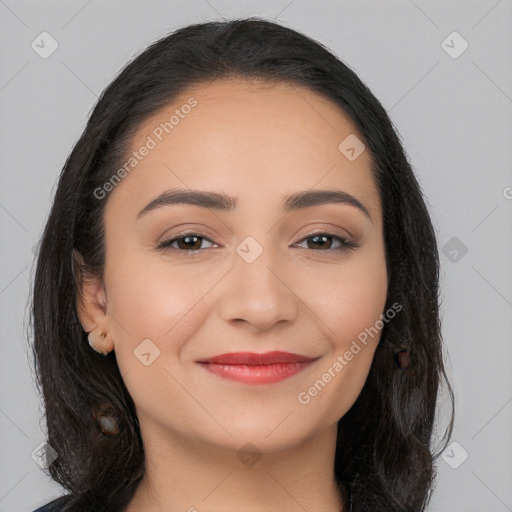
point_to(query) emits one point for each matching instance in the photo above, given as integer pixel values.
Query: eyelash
(345, 243)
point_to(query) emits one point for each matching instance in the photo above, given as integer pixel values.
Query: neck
(191, 475)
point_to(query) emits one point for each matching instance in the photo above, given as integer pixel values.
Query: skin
(258, 143)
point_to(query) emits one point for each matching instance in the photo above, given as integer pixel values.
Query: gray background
(453, 114)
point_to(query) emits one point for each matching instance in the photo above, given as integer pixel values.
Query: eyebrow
(223, 202)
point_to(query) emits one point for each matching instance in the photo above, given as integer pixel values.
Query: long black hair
(385, 455)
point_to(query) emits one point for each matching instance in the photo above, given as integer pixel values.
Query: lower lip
(253, 374)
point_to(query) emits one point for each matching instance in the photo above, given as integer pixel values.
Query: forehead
(249, 139)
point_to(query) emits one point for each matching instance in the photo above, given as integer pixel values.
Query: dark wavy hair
(385, 456)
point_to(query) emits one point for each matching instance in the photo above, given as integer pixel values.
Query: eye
(187, 242)
(191, 242)
(321, 240)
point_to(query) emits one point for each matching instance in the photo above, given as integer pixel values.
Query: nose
(258, 294)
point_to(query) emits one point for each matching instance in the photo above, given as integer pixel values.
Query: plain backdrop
(451, 104)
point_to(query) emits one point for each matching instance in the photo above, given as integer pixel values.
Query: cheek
(151, 299)
(357, 303)
(347, 297)
(348, 304)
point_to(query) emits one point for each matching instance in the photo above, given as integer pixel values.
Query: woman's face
(251, 277)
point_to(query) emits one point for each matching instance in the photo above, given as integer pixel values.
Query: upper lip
(254, 358)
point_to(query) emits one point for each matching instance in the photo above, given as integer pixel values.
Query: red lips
(253, 358)
(253, 368)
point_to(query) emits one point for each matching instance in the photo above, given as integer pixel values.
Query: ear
(91, 302)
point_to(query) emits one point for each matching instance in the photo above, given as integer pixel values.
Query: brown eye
(320, 242)
(323, 242)
(189, 242)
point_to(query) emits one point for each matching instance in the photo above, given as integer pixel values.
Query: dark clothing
(53, 506)
(84, 504)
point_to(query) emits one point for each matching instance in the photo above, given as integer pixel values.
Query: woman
(236, 297)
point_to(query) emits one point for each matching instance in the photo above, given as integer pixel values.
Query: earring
(107, 420)
(100, 342)
(403, 360)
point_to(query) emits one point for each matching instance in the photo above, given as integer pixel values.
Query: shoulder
(53, 506)
(45, 508)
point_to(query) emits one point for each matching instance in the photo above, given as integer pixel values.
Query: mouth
(255, 368)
